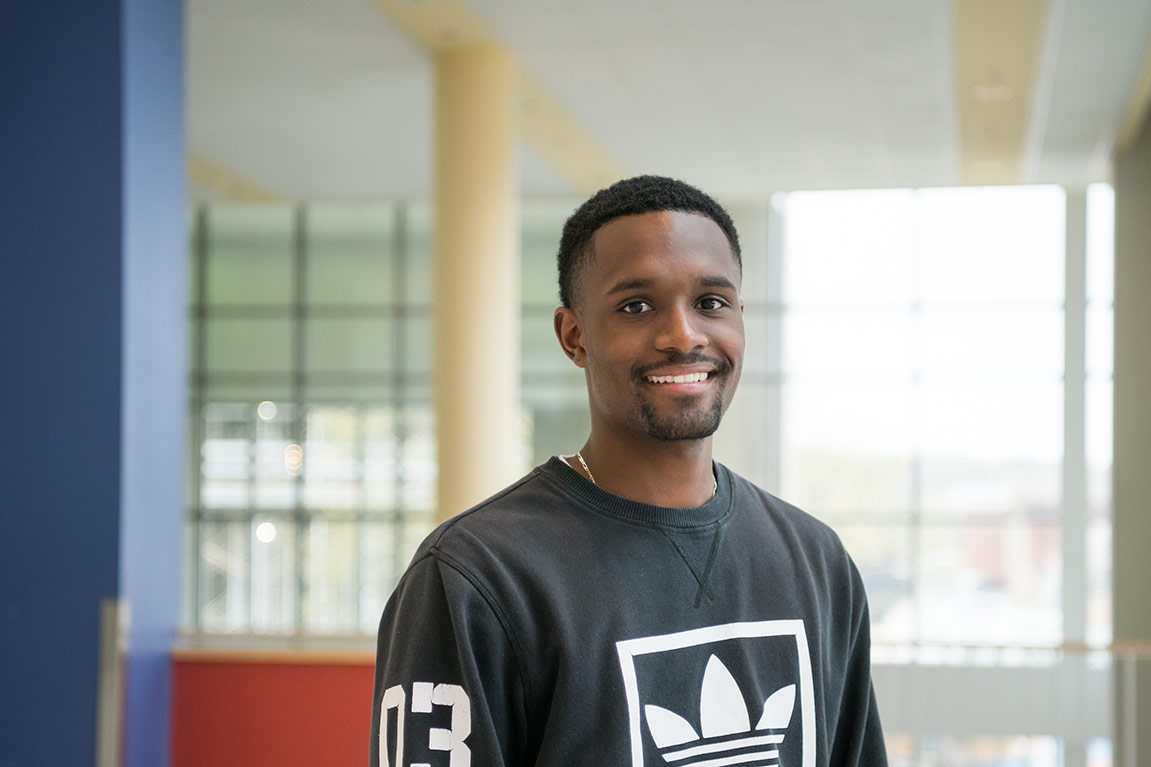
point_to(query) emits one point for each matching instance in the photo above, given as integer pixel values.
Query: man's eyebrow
(635, 284)
(646, 282)
(716, 282)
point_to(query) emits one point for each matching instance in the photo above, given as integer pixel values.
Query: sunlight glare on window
(922, 400)
(293, 459)
(266, 532)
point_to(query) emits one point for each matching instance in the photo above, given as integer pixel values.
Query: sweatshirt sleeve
(448, 688)
(858, 739)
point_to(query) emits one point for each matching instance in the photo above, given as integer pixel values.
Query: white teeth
(689, 378)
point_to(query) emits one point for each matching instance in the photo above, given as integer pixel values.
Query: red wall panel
(266, 710)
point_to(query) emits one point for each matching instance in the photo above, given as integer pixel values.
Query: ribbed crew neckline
(633, 511)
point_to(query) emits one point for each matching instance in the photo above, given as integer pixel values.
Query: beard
(694, 419)
(688, 417)
(686, 423)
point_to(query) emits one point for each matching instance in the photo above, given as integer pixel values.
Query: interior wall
(1131, 532)
(60, 353)
(91, 394)
(242, 711)
(153, 374)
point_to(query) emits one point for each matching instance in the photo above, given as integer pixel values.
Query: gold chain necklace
(583, 463)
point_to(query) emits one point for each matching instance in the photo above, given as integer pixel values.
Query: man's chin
(689, 425)
(669, 435)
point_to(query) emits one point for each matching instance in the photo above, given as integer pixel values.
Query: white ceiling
(329, 99)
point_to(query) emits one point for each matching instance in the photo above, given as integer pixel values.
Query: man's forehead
(637, 224)
(624, 241)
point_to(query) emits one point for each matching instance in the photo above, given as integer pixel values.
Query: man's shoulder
(495, 519)
(784, 514)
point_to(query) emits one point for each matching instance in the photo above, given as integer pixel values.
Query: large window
(313, 467)
(904, 381)
(944, 403)
(922, 405)
(313, 436)
(927, 370)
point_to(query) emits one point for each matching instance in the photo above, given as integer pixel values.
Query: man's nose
(681, 331)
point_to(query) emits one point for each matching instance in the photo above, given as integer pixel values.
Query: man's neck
(674, 474)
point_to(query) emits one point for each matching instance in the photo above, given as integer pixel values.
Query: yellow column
(477, 299)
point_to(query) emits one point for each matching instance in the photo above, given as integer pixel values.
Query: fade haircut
(631, 197)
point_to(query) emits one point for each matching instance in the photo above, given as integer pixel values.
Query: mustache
(721, 366)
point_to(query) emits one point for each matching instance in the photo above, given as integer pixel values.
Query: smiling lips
(685, 378)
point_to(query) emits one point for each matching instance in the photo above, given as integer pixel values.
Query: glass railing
(1071, 705)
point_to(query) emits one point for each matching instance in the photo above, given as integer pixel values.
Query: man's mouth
(685, 378)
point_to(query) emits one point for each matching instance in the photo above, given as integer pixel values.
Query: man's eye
(711, 304)
(635, 307)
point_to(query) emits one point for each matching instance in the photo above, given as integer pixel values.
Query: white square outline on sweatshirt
(628, 649)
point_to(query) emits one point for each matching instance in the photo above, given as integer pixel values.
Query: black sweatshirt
(558, 624)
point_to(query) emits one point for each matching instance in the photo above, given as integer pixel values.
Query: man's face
(657, 325)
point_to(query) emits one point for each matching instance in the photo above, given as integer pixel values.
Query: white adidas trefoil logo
(725, 724)
(772, 652)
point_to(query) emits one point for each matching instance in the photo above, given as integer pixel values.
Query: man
(636, 603)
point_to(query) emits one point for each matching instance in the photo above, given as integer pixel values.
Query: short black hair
(630, 197)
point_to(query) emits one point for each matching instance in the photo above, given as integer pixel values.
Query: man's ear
(570, 335)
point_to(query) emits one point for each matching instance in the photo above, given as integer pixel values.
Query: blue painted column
(92, 281)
